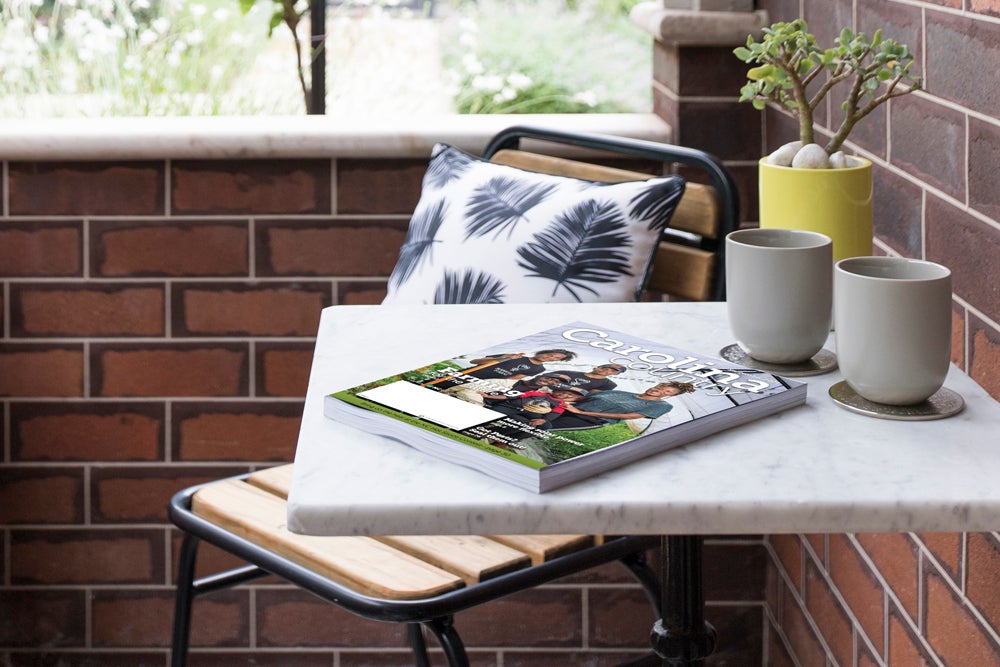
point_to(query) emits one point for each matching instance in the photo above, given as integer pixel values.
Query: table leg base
(683, 648)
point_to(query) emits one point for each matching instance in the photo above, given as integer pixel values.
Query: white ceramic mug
(779, 292)
(893, 327)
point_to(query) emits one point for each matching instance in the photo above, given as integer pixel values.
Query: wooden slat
(362, 563)
(276, 480)
(472, 557)
(682, 271)
(697, 213)
(543, 548)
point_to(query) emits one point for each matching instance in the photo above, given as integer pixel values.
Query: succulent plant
(789, 64)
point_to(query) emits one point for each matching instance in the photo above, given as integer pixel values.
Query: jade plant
(789, 69)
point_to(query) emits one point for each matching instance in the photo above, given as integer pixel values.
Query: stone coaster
(944, 403)
(824, 362)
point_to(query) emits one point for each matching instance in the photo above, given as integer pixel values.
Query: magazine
(563, 404)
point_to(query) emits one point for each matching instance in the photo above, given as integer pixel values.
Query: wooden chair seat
(424, 580)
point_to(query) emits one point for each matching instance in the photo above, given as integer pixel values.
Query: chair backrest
(689, 262)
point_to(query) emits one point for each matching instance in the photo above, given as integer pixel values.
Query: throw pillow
(489, 233)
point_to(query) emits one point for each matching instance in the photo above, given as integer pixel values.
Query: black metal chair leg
(444, 629)
(638, 566)
(415, 634)
(182, 602)
(682, 637)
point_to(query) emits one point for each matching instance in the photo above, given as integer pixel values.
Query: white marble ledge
(255, 137)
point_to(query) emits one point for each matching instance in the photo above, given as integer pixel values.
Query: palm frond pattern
(583, 245)
(419, 243)
(470, 287)
(499, 204)
(446, 166)
(657, 203)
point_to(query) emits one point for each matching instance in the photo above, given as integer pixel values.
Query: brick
(988, 7)
(947, 551)
(379, 186)
(984, 355)
(699, 123)
(904, 647)
(952, 631)
(87, 310)
(817, 542)
(51, 618)
(779, 129)
(788, 550)
(296, 186)
(216, 658)
(803, 642)
(859, 588)
(249, 309)
(235, 432)
(540, 617)
(527, 658)
(52, 557)
(170, 370)
(969, 248)
(698, 70)
(928, 142)
(618, 618)
(141, 494)
(85, 658)
(86, 188)
(829, 615)
(983, 582)
(174, 249)
(897, 213)
(955, 4)
(958, 336)
(30, 370)
(949, 40)
(144, 618)
(211, 559)
(740, 640)
(329, 248)
(734, 571)
(773, 590)
(283, 369)
(296, 618)
(86, 432)
(357, 293)
(895, 557)
(777, 651)
(984, 163)
(41, 495)
(41, 249)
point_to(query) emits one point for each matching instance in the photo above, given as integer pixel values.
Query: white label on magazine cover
(431, 405)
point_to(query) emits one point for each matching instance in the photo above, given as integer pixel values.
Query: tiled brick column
(157, 324)
(912, 599)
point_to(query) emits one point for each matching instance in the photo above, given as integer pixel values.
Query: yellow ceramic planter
(835, 202)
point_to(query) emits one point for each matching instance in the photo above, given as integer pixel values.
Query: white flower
(161, 25)
(587, 97)
(220, 14)
(518, 80)
(147, 37)
(195, 37)
(471, 64)
(487, 82)
(198, 10)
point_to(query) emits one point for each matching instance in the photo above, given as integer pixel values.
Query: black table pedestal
(682, 638)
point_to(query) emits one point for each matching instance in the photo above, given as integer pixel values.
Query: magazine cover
(562, 404)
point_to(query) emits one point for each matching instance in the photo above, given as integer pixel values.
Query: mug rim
(818, 240)
(878, 267)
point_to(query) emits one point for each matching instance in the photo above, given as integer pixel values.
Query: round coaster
(824, 362)
(944, 403)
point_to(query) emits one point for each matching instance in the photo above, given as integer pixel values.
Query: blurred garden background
(87, 58)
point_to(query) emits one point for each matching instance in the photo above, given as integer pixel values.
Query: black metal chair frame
(719, 177)
(680, 637)
(435, 613)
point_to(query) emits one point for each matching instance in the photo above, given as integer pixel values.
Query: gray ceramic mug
(893, 327)
(779, 286)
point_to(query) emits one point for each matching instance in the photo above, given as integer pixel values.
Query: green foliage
(541, 56)
(788, 60)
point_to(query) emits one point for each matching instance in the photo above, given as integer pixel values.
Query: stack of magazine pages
(563, 404)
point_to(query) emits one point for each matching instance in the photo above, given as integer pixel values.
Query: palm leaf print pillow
(489, 233)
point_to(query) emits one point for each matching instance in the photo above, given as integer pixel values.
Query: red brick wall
(912, 599)
(157, 324)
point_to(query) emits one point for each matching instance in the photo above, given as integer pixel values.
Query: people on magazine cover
(596, 379)
(515, 366)
(543, 382)
(608, 407)
(537, 408)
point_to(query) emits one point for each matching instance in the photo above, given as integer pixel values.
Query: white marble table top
(814, 468)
